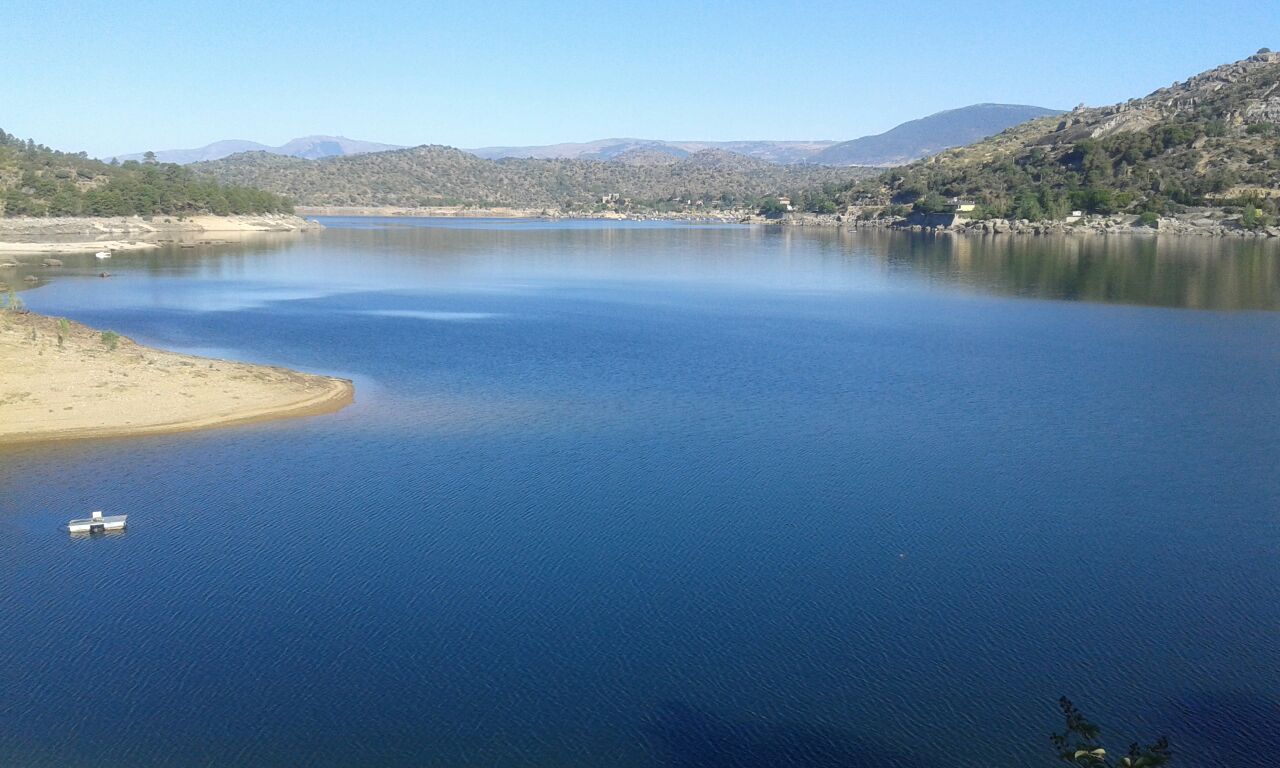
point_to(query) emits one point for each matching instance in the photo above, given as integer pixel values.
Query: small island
(60, 380)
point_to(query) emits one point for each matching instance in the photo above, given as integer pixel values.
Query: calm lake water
(658, 495)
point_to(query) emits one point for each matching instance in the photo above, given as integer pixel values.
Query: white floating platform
(97, 524)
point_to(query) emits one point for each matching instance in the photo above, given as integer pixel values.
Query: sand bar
(88, 386)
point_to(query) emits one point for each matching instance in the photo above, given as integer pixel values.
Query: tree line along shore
(38, 181)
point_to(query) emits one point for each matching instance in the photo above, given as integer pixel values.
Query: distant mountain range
(930, 135)
(903, 144)
(307, 147)
(783, 152)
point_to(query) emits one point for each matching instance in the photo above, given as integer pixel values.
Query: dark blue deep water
(652, 495)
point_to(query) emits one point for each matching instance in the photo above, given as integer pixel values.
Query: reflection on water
(1191, 272)
(87, 535)
(1184, 272)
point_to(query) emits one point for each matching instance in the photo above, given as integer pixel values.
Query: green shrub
(772, 209)
(1254, 217)
(110, 339)
(931, 203)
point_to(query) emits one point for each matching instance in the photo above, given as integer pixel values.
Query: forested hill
(38, 181)
(1213, 140)
(436, 175)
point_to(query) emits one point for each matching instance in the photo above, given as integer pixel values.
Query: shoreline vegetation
(61, 380)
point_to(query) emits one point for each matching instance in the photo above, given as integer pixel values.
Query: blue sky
(130, 76)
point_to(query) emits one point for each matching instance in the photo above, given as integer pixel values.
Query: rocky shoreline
(89, 234)
(27, 226)
(1203, 226)
(1208, 223)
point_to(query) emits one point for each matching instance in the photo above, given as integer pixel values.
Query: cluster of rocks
(1185, 95)
(1201, 223)
(1104, 225)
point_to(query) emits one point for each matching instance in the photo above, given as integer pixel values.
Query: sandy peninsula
(60, 380)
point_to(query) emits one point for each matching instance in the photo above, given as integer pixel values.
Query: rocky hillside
(930, 135)
(38, 181)
(436, 175)
(1211, 142)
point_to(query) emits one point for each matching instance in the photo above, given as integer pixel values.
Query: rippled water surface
(653, 495)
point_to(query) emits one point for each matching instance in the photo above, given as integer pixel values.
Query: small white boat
(97, 524)
(102, 255)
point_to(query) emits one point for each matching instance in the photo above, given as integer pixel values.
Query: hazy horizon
(595, 140)
(472, 76)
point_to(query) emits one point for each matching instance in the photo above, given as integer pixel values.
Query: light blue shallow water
(653, 495)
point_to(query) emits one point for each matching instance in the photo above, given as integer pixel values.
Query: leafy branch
(1079, 745)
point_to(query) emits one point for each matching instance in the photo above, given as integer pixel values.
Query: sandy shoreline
(86, 386)
(32, 235)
